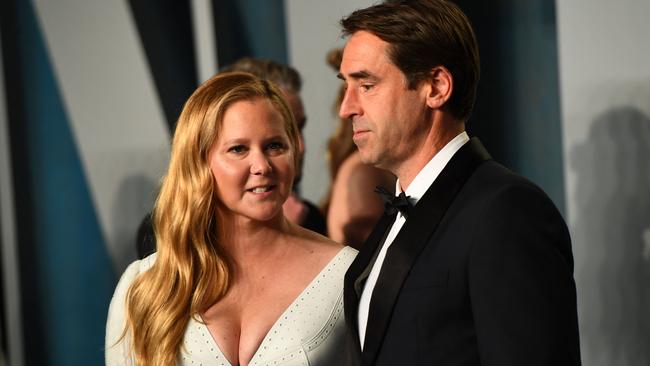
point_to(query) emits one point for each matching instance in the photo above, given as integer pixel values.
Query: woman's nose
(260, 164)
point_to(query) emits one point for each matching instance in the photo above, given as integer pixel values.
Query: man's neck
(439, 135)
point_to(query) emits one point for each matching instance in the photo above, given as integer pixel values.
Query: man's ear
(441, 86)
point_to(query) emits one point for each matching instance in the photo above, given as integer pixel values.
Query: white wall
(605, 95)
(115, 115)
(312, 29)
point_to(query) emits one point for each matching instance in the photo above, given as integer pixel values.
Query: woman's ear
(441, 86)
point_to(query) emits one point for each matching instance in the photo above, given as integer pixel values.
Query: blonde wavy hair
(192, 271)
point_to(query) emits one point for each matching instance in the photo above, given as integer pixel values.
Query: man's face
(389, 120)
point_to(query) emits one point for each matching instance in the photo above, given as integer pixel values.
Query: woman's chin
(265, 215)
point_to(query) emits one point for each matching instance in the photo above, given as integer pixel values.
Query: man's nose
(350, 104)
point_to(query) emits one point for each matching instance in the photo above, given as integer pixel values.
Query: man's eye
(366, 87)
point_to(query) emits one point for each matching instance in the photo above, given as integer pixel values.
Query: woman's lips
(262, 189)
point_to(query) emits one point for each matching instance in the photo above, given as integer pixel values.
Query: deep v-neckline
(283, 316)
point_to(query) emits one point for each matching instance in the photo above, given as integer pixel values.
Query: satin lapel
(356, 269)
(414, 235)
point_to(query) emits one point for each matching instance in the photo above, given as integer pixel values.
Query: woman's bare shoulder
(316, 243)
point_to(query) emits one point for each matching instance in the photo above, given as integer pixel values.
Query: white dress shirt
(415, 191)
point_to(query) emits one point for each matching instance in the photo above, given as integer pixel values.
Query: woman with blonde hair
(233, 281)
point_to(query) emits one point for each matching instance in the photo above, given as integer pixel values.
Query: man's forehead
(364, 55)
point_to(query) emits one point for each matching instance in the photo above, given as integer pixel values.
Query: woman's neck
(248, 240)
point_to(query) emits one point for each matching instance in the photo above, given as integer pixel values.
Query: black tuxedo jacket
(481, 273)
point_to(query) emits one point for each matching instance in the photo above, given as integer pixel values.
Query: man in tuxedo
(471, 264)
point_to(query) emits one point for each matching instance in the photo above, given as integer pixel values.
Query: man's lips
(358, 129)
(359, 133)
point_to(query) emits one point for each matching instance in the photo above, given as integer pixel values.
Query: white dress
(310, 331)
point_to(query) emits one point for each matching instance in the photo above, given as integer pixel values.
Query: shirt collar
(430, 172)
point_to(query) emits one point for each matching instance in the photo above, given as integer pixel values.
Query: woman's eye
(237, 149)
(275, 146)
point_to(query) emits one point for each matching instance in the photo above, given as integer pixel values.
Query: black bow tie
(392, 203)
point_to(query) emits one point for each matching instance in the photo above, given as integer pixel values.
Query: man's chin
(367, 158)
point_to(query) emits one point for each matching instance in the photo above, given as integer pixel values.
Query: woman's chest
(240, 322)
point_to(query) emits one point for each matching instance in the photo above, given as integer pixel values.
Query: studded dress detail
(309, 332)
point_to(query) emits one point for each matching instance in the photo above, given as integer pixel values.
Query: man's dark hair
(286, 77)
(423, 34)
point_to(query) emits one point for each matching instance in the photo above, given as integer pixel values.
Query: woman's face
(252, 160)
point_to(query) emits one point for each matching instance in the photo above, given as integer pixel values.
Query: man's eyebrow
(355, 75)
